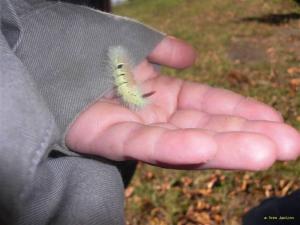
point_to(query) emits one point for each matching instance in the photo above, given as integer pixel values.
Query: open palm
(185, 125)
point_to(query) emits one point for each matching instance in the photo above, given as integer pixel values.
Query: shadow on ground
(274, 19)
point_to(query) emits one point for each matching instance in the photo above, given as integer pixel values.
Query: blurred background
(249, 46)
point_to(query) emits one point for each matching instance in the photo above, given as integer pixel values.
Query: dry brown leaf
(162, 187)
(203, 218)
(267, 187)
(293, 70)
(216, 209)
(295, 81)
(282, 183)
(270, 50)
(268, 190)
(217, 218)
(294, 84)
(204, 192)
(222, 178)
(246, 209)
(200, 205)
(165, 186)
(149, 175)
(137, 199)
(129, 191)
(237, 78)
(156, 221)
(287, 188)
(212, 183)
(187, 181)
(244, 185)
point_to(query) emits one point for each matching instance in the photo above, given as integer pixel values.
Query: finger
(174, 53)
(286, 138)
(242, 151)
(154, 144)
(161, 146)
(221, 101)
(84, 131)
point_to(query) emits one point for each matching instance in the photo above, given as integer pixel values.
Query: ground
(251, 47)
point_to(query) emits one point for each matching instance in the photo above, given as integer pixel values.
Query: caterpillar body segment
(126, 86)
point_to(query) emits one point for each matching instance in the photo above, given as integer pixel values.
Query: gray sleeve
(64, 47)
(27, 129)
(37, 86)
(74, 191)
(36, 188)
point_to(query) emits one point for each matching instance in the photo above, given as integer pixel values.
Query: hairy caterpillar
(127, 88)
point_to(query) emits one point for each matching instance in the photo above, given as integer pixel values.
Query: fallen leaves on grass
(207, 202)
(202, 213)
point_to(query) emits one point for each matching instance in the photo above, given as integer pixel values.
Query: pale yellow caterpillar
(125, 84)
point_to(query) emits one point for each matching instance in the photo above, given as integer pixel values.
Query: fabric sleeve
(64, 47)
(41, 189)
(51, 68)
(27, 129)
(73, 190)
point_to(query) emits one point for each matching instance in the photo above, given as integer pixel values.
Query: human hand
(186, 125)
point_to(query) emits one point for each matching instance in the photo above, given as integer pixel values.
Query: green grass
(217, 30)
